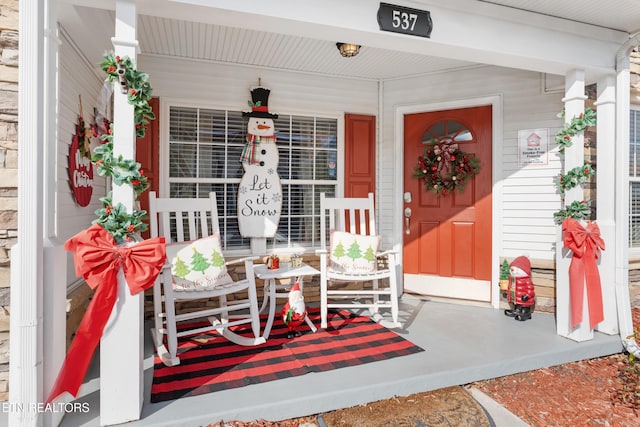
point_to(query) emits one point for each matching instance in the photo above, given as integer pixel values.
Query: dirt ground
(452, 406)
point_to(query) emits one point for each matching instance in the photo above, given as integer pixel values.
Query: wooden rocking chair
(352, 256)
(182, 221)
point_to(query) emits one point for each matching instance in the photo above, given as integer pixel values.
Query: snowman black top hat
(259, 104)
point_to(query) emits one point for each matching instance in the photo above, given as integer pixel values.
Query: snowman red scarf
(249, 152)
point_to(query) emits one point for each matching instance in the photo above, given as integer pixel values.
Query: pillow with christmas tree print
(353, 253)
(200, 266)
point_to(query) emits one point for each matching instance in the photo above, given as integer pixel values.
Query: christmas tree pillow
(200, 265)
(353, 253)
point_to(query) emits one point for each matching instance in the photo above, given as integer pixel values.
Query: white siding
(228, 86)
(76, 78)
(529, 197)
(224, 86)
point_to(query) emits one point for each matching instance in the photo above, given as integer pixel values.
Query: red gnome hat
(295, 287)
(523, 263)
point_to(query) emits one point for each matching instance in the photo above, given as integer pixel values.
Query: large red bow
(98, 259)
(446, 151)
(586, 244)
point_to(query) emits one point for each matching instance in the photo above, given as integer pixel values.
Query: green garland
(121, 170)
(123, 226)
(576, 210)
(564, 137)
(444, 168)
(136, 85)
(578, 175)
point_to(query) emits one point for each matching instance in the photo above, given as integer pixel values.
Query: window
(204, 155)
(634, 179)
(446, 132)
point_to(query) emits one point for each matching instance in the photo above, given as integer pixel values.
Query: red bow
(586, 244)
(446, 151)
(98, 259)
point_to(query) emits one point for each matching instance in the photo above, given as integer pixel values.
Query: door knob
(407, 215)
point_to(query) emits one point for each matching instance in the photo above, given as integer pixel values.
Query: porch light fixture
(348, 50)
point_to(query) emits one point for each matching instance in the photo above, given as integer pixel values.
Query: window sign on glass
(405, 20)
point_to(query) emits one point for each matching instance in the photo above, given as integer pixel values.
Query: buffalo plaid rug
(210, 363)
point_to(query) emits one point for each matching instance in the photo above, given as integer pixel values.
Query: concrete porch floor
(462, 344)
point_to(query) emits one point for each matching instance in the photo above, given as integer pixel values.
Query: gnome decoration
(520, 292)
(294, 311)
(260, 191)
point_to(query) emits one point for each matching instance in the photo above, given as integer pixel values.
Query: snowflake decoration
(242, 189)
(271, 171)
(277, 197)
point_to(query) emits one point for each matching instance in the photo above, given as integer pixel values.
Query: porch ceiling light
(348, 50)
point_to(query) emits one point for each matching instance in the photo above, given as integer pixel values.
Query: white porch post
(622, 195)
(121, 347)
(26, 335)
(573, 157)
(606, 172)
(55, 257)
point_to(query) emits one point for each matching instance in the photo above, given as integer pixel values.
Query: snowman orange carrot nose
(264, 127)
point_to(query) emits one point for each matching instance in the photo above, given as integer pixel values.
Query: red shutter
(148, 155)
(360, 155)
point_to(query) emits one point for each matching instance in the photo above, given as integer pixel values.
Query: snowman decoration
(260, 191)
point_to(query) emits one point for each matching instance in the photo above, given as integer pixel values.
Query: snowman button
(263, 152)
(261, 163)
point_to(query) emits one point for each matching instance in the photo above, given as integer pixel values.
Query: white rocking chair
(355, 219)
(182, 220)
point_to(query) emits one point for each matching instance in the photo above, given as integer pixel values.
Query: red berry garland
(115, 219)
(444, 168)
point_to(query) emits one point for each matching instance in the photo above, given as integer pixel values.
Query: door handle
(407, 215)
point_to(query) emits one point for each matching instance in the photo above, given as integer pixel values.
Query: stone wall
(8, 170)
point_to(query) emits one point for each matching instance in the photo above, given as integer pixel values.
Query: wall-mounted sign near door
(80, 173)
(405, 20)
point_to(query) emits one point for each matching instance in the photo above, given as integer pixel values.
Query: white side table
(271, 288)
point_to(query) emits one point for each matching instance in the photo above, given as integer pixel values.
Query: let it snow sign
(260, 191)
(533, 147)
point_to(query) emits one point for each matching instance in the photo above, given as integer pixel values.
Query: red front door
(447, 240)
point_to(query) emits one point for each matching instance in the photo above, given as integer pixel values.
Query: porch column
(621, 247)
(54, 256)
(121, 347)
(606, 172)
(573, 157)
(26, 334)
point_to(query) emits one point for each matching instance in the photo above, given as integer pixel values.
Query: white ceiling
(622, 15)
(91, 30)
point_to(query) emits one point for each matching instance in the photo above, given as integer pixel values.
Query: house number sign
(405, 20)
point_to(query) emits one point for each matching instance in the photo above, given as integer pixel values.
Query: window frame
(165, 180)
(633, 250)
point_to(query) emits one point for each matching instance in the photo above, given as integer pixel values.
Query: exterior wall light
(348, 50)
